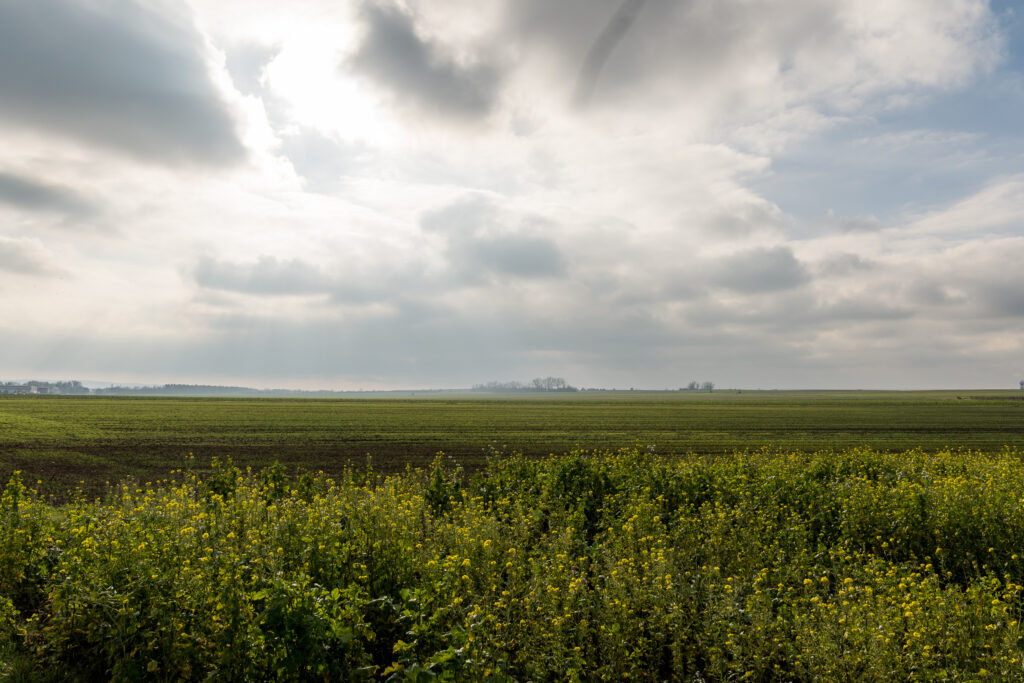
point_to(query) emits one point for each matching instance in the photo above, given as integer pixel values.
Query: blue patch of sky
(966, 138)
(1011, 19)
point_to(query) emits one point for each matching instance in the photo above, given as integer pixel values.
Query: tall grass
(853, 565)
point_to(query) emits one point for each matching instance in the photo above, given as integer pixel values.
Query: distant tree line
(214, 390)
(538, 384)
(36, 387)
(76, 388)
(699, 386)
(175, 390)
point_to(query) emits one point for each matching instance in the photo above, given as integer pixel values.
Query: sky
(386, 194)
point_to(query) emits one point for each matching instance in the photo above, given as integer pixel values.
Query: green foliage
(768, 565)
(444, 486)
(274, 482)
(224, 479)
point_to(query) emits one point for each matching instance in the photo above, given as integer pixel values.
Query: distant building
(16, 389)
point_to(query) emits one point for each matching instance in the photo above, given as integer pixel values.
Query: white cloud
(997, 206)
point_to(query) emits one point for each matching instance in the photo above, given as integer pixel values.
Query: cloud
(1004, 298)
(743, 219)
(323, 161)
(842, 264)
(616, 28)
(266, 276)
(464, 217)
(419, 72)
(866, 223)
(860, 309)
(754, 61)
(930, 293)
(993, 207)
(25, 257)
(33, 195)
(247, 62)
(481, 240)
(915, 141)
(271, 277)
(759, 270)
(522, 256)
(126, 75)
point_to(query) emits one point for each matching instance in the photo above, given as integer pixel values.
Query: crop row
(67, 440)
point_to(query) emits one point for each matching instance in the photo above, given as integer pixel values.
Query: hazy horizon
(377, 194)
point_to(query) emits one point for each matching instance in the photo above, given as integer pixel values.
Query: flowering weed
(852, 565)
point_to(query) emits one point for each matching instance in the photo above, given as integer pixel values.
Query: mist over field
(388, 194)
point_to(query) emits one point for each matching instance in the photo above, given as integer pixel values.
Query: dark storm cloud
(31, 194)
(418, 72)
(759, 270)
(267, 276)
(482, 240)
(122, 74)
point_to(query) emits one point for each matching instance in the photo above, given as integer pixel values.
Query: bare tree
(708, 386)
(550, 384)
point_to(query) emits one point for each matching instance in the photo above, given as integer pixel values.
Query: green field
(813, 536)
(62, 441)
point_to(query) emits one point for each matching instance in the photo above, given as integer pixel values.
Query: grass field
(812, 536)
(62, 441)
